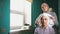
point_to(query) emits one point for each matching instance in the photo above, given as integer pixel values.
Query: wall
(59, 13)
(59, 10)
(5, 19)
(36, 10)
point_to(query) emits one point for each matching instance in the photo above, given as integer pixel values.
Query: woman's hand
(53, 18)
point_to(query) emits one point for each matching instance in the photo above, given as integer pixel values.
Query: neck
(45, 11)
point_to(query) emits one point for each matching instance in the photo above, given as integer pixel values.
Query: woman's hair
(50, 21)
(44, 4)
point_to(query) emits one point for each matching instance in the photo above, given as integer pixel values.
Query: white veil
(50, 21)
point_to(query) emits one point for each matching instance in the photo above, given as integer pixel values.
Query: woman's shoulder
(53, 12)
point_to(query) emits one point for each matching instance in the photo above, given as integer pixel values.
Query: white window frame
(22, 13)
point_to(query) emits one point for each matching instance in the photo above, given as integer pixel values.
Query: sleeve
(56, 20)
(37, 21)
(35, 32)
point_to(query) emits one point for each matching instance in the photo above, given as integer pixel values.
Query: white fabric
(50, 21)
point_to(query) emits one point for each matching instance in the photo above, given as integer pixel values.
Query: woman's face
(45, 7)
(44, 21)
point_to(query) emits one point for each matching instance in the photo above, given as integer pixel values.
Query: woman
(44, 27)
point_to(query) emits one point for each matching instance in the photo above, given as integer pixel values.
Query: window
(20, 13)
(27, 12)
(16, 19)
(17, 5)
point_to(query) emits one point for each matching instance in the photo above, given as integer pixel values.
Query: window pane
(16, 19)
(17, 5)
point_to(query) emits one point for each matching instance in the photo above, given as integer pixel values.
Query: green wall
(59, 13)
(36, 10)
(59, 10)
(5, 18)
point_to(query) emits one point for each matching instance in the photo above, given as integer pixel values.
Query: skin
(45, 7)
(44, 22)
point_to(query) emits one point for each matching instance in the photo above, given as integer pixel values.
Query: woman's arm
(35, 32)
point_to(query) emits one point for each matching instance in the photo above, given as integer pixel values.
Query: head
(45, 7)
(44, 21)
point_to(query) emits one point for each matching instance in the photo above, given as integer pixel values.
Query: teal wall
(59, 10)
(59, 13)
(5, 18)
(36, 10)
